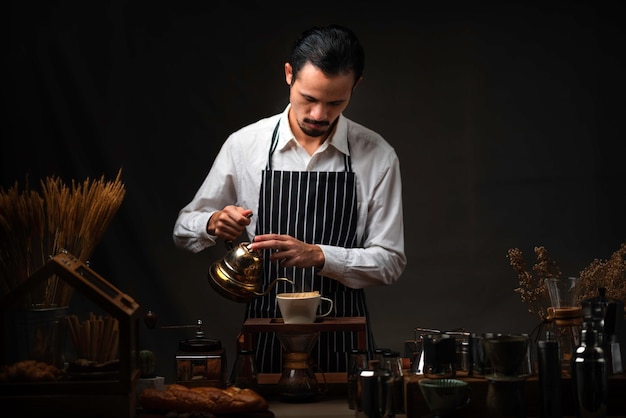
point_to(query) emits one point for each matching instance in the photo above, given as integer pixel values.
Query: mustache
(318, 122)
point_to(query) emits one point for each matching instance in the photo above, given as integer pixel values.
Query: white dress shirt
(235, 178)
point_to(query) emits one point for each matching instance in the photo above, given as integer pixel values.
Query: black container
(607, 316)
(374, 389)
(549, 362)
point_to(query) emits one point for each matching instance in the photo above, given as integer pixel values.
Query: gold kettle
(237, 276)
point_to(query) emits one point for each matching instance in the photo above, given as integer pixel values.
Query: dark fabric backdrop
(507, 117)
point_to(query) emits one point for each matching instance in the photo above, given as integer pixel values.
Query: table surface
(331, 406)
(335, 405)
(328, 407)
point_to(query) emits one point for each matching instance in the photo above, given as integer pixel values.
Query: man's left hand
(289, 251)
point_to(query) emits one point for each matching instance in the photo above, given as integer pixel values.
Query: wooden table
(416, 406)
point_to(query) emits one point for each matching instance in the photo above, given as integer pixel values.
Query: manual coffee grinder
(297, 382)
(200, 361)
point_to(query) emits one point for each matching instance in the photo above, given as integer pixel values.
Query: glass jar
(393, 364)
(357, 362)
(246, 374)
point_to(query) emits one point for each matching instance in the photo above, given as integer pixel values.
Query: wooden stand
(254, 326)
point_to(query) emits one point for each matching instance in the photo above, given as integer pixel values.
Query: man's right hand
(229, 222)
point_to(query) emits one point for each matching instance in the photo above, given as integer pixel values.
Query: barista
(319, 194)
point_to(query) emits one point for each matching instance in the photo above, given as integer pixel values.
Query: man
(319, 194)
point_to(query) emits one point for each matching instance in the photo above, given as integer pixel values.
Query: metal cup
(439, 355)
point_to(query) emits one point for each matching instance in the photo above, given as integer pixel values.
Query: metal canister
(462, 349)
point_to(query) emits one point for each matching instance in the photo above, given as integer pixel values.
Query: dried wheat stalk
(36, 226)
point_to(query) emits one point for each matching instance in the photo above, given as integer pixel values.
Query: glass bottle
(393, 364)
(379, 355)
(358, 361)
(589, 376)
(246, 373)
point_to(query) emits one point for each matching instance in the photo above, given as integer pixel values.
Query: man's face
(317, 99)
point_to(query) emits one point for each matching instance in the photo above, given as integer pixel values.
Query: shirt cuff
(204, 239)
(335, 261)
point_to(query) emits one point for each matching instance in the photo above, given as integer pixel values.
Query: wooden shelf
(88, 394)
(352, 323)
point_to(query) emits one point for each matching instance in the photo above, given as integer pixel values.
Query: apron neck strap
(274, 144)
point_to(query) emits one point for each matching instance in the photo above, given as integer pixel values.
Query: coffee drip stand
(298, 382)
(506, 395)
(237, 276)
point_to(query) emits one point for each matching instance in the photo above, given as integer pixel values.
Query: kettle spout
(279, 279)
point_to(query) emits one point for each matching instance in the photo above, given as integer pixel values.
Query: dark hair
(333, 49)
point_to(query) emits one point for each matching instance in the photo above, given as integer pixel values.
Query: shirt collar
(338, 139)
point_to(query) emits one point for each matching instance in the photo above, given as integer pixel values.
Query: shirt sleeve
(234, 179)
(380, 259)
(216, 192)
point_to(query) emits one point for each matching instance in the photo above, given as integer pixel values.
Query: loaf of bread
(30, 371)
(205, 399)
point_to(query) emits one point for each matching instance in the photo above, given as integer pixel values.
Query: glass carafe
(565, 314)
(297, 382)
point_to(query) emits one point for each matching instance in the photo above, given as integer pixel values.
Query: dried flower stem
(532, 288)
(609, 274)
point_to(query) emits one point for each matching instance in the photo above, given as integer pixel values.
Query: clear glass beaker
(563, 291)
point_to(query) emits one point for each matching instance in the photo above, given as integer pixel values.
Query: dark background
(507, 118)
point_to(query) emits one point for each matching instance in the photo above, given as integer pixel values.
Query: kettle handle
(229, 244)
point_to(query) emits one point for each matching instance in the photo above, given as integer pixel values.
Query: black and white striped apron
(317, 208)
